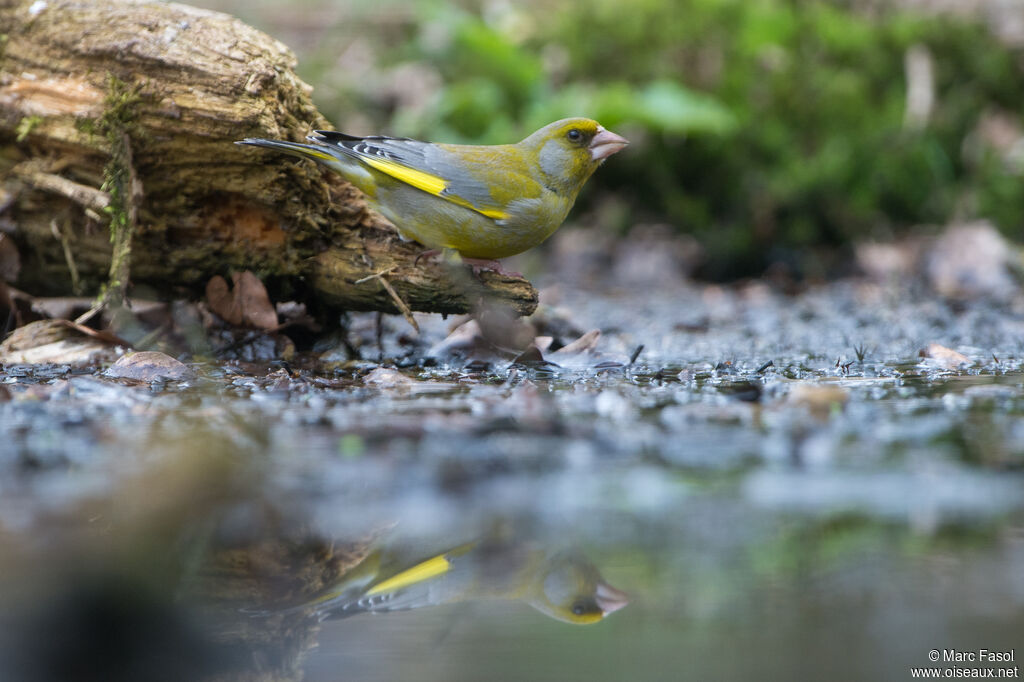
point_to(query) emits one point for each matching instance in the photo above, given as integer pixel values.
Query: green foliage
(765, 127)
(25, 127)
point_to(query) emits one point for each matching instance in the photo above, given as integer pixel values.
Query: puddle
(781, 485)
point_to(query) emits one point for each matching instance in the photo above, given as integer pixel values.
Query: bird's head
(570, 150)
(570, 589)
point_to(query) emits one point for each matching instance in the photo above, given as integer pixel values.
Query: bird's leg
(429, 253)
(478, 265)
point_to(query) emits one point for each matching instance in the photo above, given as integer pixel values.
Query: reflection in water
(758, 542)
(563, 585)
(156, 578)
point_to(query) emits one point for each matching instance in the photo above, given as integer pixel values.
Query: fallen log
(117, 122)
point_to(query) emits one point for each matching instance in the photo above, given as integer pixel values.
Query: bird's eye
(574, 135)
(578, 609)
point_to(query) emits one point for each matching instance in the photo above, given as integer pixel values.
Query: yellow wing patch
(427, 182)
(422, 571)
(417, 178)
(494, 213)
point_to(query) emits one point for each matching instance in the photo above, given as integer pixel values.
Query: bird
(477, 203)
(562, 584)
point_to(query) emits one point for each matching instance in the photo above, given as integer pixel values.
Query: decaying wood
(231, 583)
(179, 85)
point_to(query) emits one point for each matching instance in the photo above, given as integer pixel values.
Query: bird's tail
(318, 153)
(334, 157)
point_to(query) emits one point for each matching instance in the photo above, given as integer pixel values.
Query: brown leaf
(57, 341)
(945, 358)
(222, 301)
(463, 339)
(62, 307)
(257, 310)
(584, 344)
(246, 305)
(36, 334)
(531, 357)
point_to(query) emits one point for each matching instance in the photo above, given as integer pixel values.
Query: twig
(376, 275)
(69, 258)
(406, 312)
(149, 340)
(379, 329)
(89, 197)
(129, 191)
(90, 313)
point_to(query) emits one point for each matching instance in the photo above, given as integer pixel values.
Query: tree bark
(155, 94)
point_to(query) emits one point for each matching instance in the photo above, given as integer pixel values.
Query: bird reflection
(563, 585)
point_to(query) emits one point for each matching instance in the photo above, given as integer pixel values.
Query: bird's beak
(607, 597)
(605, 143)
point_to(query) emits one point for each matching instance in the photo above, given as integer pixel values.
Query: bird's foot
(478, 265)
(429, 253)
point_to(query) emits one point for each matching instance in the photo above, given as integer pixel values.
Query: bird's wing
(450, 172)
(433, 581)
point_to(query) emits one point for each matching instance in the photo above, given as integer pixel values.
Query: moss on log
(198, 81)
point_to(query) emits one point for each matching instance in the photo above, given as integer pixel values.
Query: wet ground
(782, 484)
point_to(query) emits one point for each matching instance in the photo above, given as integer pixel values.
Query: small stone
(150, 366)
(385, 377)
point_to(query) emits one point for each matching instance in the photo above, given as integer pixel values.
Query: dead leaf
(584, 344)
(944, 358)
(222, 301)
(35, 334)
(246, 304)
(543, 343)
(57, 342)
(464, 339)
(532, 357)
(62, 307)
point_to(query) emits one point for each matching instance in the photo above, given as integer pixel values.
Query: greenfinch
(483, 202)
(562, 585)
